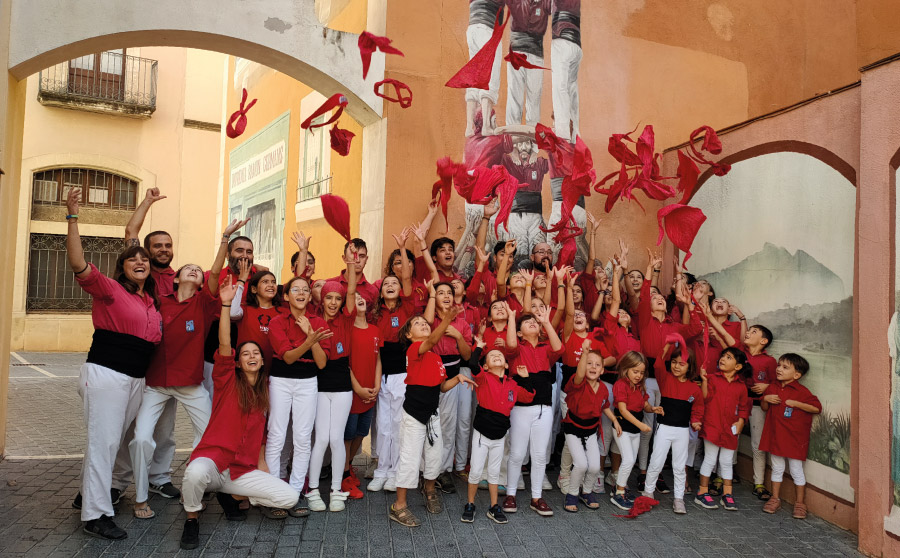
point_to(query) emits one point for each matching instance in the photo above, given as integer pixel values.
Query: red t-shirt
(671, 387)
(490, 339)
(165, 281)
(725, 403)
(232, 438)
(447, 345)
(786, 430)
(584, 402)
(573, 349)
(763, 371)
(367, 290)
(653, 332)
(633, 396)
(619, 339)
(426, 369)
(285, 334)
(115, 309)
(499, 394)
(178, 360)
(254, 326)
(363, 361)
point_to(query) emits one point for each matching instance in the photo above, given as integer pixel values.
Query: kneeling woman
(230, 458)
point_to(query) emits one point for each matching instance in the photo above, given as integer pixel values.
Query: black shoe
(105, 528)
(166, 490)
(231, 507)
(114, 495)
(190, 537)
(496, 514)
(445, 483)
(468, 515)
(662, 487)
(641, 480)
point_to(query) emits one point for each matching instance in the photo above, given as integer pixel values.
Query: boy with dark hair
(755, 341)
(367, 290)
(789, 407)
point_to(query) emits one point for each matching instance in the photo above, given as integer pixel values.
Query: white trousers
(585, 463)
(555, 400)
(465, 408)
(523, 92)
(448, 410)
(195, 401)
(725, 457)
(757, 421)
(676, 438)
(652, 387)
(207, 379)
(161, 463)
(476, 37)
(388, 418)
(565, 57)
(111, 401)
(523, 227)
(606, 426)
(332, 411)
(796, 468)
(289, 398)
(693, 446)
(629, 444)
(414, 443)
(530, 429)
(262, 488)
(486, 452)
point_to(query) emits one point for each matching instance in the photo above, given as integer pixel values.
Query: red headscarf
(369, 43)
(337, 214)
(237, 123)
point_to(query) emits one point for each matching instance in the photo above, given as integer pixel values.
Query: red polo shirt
(423, 274)
(447, 345)
(115, 309)
(619, 339)
(164, 279)
(763, 371)
(254, 326)
(726, 402)
(573, 349)
(490, 340)
(786, 431)
(499, 394)
(584, 402)
(285, 334)
(363, 360)
(232, 438)
(367, 290)
(634, 397)
(426, 369)
(653, 332)
(178, 360)
(390, 321)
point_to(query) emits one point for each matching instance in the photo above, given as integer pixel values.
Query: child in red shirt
(587, 399)
(255, 312)
(789, 408)
(727, 409)
(754, 344)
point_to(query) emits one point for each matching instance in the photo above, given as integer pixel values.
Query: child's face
(700, 289)
(498, 312)
(785, 372)
(720, 307)
(679, 366)
(360, 304)
(540, 282)
(317, 289)
(495, 362)
(594, 366)
(624, 318)
(445, 256)
(636, 279)
(390, 288)
(754, 337)
(537, 305)
(636, 374)
(580, 321)
(530, 327)
(298, 295)
(266, 288)
(517, 281)
(577, 295)
(657, 303)
(459, 288)
(727, 363)
(419, 329)
(332, 303)
(443, 296)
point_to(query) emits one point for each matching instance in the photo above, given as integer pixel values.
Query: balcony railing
(313, 190)
(105, 82)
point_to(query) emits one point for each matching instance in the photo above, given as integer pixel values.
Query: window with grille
(313, 182)
(100, 189)
(51, 283)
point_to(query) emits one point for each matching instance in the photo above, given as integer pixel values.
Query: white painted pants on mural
(487, 458)
(524, 227)
(476, 37)
(675, 438)
(389, 416)
(414, 444)
(652, 387)
(464, 411)
(530, 429)
(332, 411)
(290, 398)
(565, 56)
(160, 471)
(711, 453)
(629, 444)
(195, 401)
(586, 463)
(796, 468)
(523, 92)
(757, 422)
(261, 488)
(111, 401)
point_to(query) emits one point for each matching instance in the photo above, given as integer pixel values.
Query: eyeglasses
(298, 290)
(542, 251)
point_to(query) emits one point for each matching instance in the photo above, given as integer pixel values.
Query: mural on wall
(512, 145)
(257, 178)
(894, 343)
(778, 244)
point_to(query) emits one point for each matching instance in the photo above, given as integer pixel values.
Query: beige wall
(159, 151)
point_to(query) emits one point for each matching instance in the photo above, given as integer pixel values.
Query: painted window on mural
(315, 180)
(894, 341)
(779, 245)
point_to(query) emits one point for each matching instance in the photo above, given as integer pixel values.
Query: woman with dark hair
(127, 327)
(230, 458)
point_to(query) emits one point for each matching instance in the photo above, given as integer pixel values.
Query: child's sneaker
(772, 505)
(662, 486)
(706, 501)
(678, 506)
(483, 484)
(495, 513)
(468, 515)
(509, 505)
(800, 511)
(352, 490)
(314, 499)
(621, 501)
(611, 479)
(728, 503)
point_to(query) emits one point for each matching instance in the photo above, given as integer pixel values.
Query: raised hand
(434, 204)
(586, 346)
(593, 223)
(522, 371)
(152, 196)
(301, 240)
(463, 379)
(227, 291)
(243, 269)
(320, 334)
(492, 208)
(234, 226)
(429, 284)
(451, 315)
(528, 275)
(655, 260)
(479, 341)
(481, 257)
(73, 200)
(354, 253)
(623, 254)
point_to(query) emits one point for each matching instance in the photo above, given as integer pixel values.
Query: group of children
(600, 360)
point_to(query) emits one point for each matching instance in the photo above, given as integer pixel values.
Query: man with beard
(157, 243)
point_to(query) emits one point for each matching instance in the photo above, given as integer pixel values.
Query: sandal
(715, 487)
(571, 504)
(761, 492)
(300, 509)
(590, 500)
(404, 517)
(273, 513)
(144, 512)
(432, 501)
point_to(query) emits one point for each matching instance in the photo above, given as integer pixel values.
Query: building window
(100, 189)
(51, 283)
(316, 147)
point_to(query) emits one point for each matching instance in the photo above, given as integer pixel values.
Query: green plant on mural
(829, 441)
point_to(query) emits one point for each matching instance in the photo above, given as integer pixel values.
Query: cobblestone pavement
(36, 518)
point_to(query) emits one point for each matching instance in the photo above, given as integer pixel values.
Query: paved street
(39, 479)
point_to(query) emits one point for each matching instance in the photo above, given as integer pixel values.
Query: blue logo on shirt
(691, 399)
(511, 395)
(788, 411)
(340, 347)
(189, 325)
(395, 321)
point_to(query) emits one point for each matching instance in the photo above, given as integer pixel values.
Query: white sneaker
(314, 500)
(390, 485)
(563, 483)
(598, 485)
(546, 485)
(336, 502)
(521, 484)
(678, 506)
(611, 479)
(370, 469)
(647, 494)
(376, 484)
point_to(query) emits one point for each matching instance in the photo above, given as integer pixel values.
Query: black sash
(582, 428)
(124, 353)
(299, 370)
(393, 358)
(491, 424)
(677, 412)
(451, 369)
(422, 401)
(542, 382)
(626, 424)
(335, 377)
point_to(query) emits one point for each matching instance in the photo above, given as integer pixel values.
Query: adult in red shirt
(357, 248)
(176, 371)
(229, 459)
(299, 341)
(157, 243)
(789, 407)
(127, 328)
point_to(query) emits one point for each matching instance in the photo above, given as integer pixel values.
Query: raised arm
(432, 211)
(74, 250)
(406, 267)
(592, 227)
(212, 280)
(529, 280)
(440, 330)
(512, 340)
(226, 295)
(581, 369)
(133, 228)
(421, 232)
(302, 243)
(489, 211)
(555, 343)
(569, 324)
(474, 288)
(429, 308)
(503, 266)
(352, 279)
